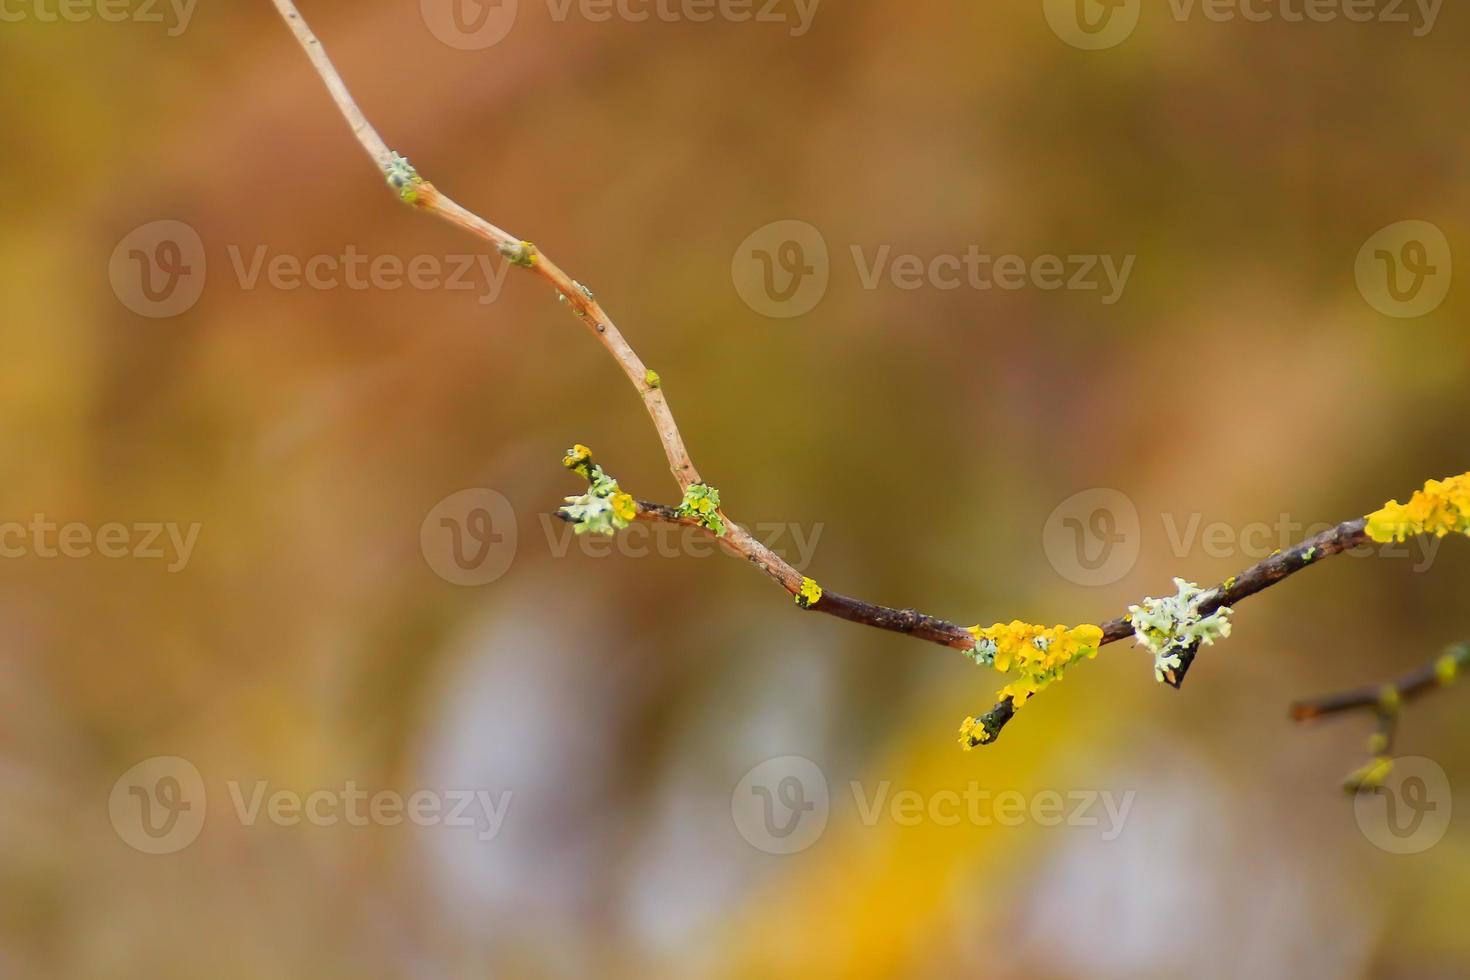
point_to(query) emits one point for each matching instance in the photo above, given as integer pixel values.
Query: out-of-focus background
(298, 679)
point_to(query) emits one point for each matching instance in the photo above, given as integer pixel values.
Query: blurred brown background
(925, 436)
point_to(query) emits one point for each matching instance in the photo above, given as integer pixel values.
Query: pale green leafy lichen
(1171, 626)
(604, 508)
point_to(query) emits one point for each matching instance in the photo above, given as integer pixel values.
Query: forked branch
(1172, 628)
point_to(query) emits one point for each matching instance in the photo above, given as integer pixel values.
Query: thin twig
(428, 198)
(1386, 702)
(1439, 672)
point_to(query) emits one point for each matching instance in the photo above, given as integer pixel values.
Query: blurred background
(277, 550)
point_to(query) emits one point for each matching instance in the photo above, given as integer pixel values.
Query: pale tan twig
(428, 198)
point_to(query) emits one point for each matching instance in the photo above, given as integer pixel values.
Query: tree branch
(424, 196)
(1386, 702)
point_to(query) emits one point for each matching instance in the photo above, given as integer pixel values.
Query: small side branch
(1386, 702)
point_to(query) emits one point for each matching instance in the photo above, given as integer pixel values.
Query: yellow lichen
(1038, 655)
(1442, 507)
(1370, 776)
(624, 506)
(577, 459)
(1446, 669)
(973, 733)
(809, 594)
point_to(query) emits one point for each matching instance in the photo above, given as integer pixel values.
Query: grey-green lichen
(702, 502)
(1173, 626)
(404, 179)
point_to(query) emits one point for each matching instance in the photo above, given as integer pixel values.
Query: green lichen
(651, 378)
(702, 502)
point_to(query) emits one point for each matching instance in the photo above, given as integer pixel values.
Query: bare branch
(1386, 702)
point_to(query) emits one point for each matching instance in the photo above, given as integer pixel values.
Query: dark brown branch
(909, 622)
(1265, 573)
(1260, 576)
